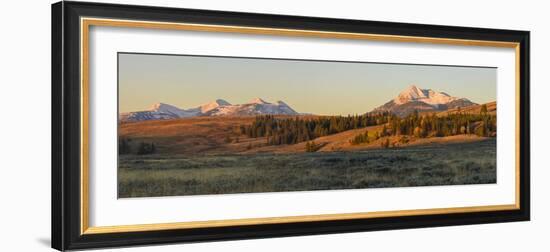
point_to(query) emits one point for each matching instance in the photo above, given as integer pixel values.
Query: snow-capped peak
(219, 107)
(410, 93)
(258, 101)
(282, 103)
(414, 98)
(413, 93)
(165, 108)
(214, 104)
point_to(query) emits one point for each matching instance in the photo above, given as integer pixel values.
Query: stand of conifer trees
(143, 148)
(481, 124)
(295, 130)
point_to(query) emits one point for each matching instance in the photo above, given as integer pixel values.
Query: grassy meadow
(186, 174)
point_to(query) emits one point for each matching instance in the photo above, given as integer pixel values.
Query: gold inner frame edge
(85, 24)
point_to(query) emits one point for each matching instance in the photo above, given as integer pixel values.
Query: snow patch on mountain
(258, 100)
(212, 105)
(256, 106)
(219, 107)
(413, 93)
(414, 98)
(163, 108)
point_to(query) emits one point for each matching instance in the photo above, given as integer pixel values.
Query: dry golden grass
(448, 164)
(189, 135)
(197, 135)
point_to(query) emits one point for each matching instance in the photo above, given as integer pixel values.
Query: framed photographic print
(181, 125)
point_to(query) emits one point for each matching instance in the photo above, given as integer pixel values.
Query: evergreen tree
(123, 146)
(146, 148)
(361, 138)
(385, 143)
(483, 110)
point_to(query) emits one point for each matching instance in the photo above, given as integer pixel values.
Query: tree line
(295, 130)
(482, 124)
(421, 126)
(127, 146)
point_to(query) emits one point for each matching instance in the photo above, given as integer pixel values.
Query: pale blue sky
(324, 88)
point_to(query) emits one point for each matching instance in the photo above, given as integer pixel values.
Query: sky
(317, 87)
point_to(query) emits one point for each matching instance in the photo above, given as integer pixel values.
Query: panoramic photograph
(200, 125)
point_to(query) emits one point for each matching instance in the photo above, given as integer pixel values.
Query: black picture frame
(66, 155)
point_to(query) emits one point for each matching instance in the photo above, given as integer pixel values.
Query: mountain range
(409, 100)
(422, 100)
(219, 107)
